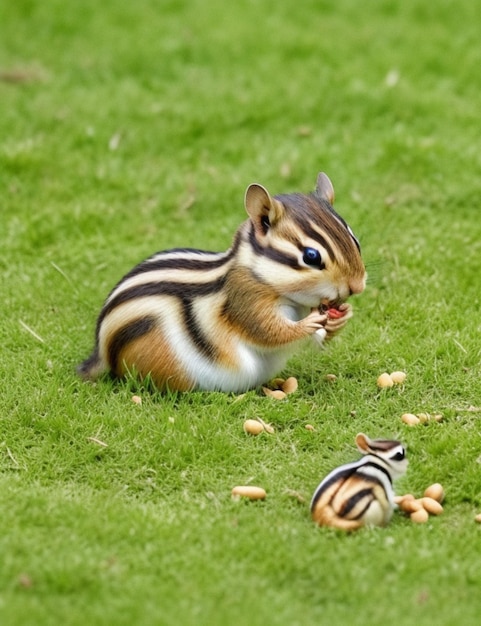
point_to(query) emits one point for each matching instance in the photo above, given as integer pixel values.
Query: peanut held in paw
(337, 317)
(335, 314)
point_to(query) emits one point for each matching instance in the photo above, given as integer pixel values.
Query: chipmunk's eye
(399, 456)
(312, 257)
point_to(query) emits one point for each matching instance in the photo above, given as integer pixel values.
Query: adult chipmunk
(361, 493)
(229, 320)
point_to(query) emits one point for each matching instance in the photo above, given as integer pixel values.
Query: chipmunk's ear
(324, 188)
(263, 210)
(363, 443)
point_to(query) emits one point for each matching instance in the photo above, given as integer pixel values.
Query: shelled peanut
(388, 380)
(412, 419)
(436, 492)
(248, 491)
(257, 426)
(280, 388)
(253, 427)
(419, 509)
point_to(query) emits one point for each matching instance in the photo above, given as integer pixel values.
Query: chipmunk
(228, 321)
(361, 493)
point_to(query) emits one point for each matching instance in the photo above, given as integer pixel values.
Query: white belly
(253, 368)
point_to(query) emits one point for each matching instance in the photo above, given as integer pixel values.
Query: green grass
(129, 128)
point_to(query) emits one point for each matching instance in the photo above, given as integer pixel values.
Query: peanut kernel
(384, 380)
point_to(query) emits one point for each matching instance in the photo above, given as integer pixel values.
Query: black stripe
(330, 209)
(306, 210)
(346, 226)
(164, 288)
(177, 263)
(384, 445)
(173, 263)
(310, 209)
(342, 474)
(315, 235)
(352, 503)
(195, 331)
(196, 260)
(378, 467)
(142, 326)
(125, 335)
(272, 253)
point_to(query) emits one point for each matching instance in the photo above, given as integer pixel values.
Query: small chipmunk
(361, 493)
(228, 321)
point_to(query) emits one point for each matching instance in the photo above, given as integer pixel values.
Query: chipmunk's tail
(92, 367)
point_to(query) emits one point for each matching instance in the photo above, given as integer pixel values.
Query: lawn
(130, 128)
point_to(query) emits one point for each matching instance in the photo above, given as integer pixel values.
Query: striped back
(361, 493)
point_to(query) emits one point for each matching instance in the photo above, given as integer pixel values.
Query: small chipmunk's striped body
(228, 321)
(361, 493)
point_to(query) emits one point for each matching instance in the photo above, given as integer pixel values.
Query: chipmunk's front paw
(314, 321)
(337, 318)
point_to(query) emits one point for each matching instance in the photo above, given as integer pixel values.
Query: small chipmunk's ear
(363, 443)
(324, 188)
(263, 210)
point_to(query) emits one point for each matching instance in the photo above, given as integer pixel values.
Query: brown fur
(245, 310)
(327, 517)
(150, 355)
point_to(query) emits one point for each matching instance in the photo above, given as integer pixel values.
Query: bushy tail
(325, 516)
(91, 368)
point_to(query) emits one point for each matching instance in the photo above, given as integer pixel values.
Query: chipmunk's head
(392, 452)
(303, 247)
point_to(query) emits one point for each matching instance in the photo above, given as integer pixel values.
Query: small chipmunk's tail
(91, 368)
(326, 516)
